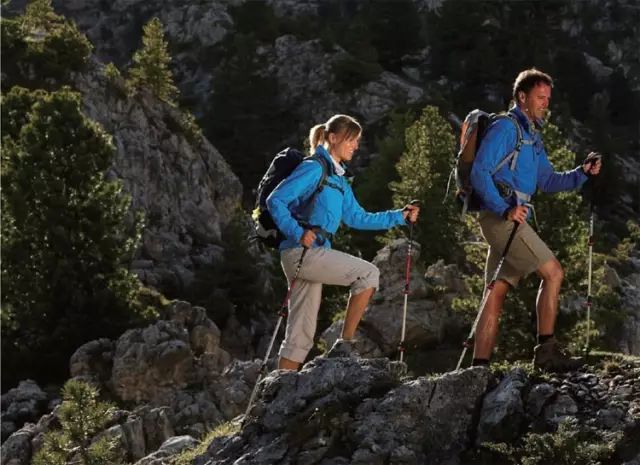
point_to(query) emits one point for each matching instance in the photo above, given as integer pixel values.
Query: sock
(542, 338)
(479, 362)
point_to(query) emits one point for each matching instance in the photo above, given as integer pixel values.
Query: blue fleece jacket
(330, 208)
(533, 169)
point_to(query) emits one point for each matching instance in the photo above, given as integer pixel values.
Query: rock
(24, 403)
(564, 406)
(538, 397)
(611, 418)
(419, 420)
(345, 402)
(502, 413)
(150, 361)
(428, 318)
(93, 361)
(157, 426)
(184, 186)
(16, 450)
(234, 386)
(171, 447)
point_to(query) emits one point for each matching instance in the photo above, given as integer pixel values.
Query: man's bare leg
(548, 293)
(487, 329)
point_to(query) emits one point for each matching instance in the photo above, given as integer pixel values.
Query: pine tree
(40, 17)
(65, 243)
(81, 415)
(372, 188)
(151, 64)
(424, 169)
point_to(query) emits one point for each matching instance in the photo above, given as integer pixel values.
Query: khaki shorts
(319, 266)
(527, 252)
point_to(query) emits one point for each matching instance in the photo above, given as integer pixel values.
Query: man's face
(536, 102)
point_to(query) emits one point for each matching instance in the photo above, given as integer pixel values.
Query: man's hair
(528, 79)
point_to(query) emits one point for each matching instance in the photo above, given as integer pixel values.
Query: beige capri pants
(320, 266)
(527, 252)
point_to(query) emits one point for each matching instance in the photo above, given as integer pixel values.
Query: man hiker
(505, 200)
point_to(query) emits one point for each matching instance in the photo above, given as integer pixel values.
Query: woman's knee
(369, 278)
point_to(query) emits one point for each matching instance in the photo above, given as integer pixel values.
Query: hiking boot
(342, 348)
(548, 357)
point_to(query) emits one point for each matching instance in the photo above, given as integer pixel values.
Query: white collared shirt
(339, 169)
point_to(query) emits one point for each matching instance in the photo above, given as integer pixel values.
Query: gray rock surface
(429, 314)
(25, 403)
(502, 414)
(184, 187)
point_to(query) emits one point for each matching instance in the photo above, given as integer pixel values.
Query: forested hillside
(134, 134)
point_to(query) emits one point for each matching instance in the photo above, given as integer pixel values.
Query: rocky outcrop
(168, 449)
(175, 363)
(180, 182)
(25, 403)
(175, 372)
(349, 411)
(354, 411)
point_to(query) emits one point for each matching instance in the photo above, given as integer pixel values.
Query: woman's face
(342, 148)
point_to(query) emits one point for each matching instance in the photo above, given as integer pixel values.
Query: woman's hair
(341, 125)
(528, 79)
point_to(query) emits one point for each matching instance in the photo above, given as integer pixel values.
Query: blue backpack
(280, 168)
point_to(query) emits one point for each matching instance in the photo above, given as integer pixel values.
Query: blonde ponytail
(316, 137)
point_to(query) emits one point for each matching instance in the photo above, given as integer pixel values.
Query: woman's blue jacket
(334, 204)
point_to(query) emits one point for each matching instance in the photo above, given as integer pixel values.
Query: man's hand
(592, 164)
(518, 214)
(411, 212)
(308, 238)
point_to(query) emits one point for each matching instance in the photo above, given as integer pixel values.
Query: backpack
(473, 130)
(282, 165)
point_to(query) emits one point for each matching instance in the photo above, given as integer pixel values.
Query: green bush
(82, 416)
(569, 445)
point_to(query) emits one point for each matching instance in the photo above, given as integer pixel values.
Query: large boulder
(25, 403)
(429, 314)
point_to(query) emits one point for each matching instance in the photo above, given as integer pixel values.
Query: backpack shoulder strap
(513, 155)
(325, 171)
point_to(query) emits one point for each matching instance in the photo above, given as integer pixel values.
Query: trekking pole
(407, 280)
(588, 303)
(593, 157)
(469, 342)
(281, 315)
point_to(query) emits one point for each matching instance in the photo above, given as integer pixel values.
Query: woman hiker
(335, 141)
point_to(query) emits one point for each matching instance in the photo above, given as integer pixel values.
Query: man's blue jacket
(533, 169)
(331, 206)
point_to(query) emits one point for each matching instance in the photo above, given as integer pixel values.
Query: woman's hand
(308, 238)
(411, 212)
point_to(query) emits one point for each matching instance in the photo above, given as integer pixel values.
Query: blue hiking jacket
(330, 207)
(533, 169)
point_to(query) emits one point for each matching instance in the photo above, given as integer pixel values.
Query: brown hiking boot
(549, 357)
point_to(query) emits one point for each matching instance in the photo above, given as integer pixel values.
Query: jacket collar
(321, 151)
(524, 121)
